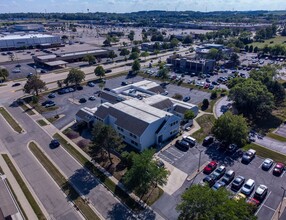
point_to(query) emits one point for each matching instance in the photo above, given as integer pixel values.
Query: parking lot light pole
(281, 201)
(199, 160)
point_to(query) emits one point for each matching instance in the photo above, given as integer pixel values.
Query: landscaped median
(24, 188)
(276, 137)
(65, 185)
(11, 121)
(206, 123)
(266, 153)
(119, 192)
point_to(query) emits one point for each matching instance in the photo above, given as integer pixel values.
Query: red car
(206, 86)
(278, 169)
(210, 167)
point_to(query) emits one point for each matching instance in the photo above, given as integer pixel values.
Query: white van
(190, 140)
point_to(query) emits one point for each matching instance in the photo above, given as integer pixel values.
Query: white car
(248, 187)
(16, 71)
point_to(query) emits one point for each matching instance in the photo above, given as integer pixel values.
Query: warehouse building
(8, 42)
(142, 117)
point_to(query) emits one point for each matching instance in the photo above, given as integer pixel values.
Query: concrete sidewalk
(18, 192)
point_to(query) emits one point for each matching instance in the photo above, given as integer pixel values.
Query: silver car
(248, 187)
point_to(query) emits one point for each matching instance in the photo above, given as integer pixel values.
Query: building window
(132, 135)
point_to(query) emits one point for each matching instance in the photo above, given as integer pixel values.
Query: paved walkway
(17, 190)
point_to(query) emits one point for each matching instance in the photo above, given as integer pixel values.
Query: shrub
(83, 143)
(72, 134)
(213, 95)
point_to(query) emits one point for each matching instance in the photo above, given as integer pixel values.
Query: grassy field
(67, 188)
(42, 122)
(121, 194)
(276, 137)
(10, 120)
(266, 153)
(276, 40)
(206, 122)
(24, 188)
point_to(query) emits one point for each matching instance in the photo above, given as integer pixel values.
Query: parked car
(16, 70)
(91, 84)
(52, 95)
(208, 140)
(232, 148)
(47, 102)
(219, 172)
(107, 89)
(218, 185)
(260, 192)
(82, 100)
(192, 141)
(124, 83)
(50, 104)
(228, 177)
(54, 143)
(182, 145)
(248, 156)
(16, 84)
(186, 99)
(210, 167)
(239, 196)
(248, 187)
(267, 164)
(210, 180)
(237, 183)
(79, 88)
(278, 169)
(92, 98)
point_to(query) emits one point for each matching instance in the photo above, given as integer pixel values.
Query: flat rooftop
(24, 36)
(82, 53)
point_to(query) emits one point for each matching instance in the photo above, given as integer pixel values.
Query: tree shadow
(83, 181)
(266, 124)
(119, 212)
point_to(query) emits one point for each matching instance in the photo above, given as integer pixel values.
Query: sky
(120, 6)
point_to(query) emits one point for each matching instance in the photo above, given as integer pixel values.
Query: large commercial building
(28, 27)
(190, 65)
(203, 50)
(140, 115)
(8, 42)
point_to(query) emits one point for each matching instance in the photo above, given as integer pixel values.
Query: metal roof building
(27, 40)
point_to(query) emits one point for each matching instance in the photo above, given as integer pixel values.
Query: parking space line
(269, 208)
(260, 165)
(173, 154)
(270, 170)
(282, 174)
(262, 204)
(167, 159)
(176, 151)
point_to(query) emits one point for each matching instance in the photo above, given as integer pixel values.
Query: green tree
(112, 54)
(107, 42)
(212, 54)
(252, 99)
(135, 49)
(189, 115)
(144, 54)
(104, 137)
(205, 103)
(164, 73)
(34, 84)
(255, 50)
(131, 35)
(231, 129)
(177, 96)
(234, 58)
(89, 58)
(124, 52)
(75, 77)
(144, 174)
(136, 65)
(133, 56)
(201, 202)
(174, 43)
(250, 50)
(4, 74)
(99, 71)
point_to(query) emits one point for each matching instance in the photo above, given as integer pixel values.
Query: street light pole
(199, 160)
(281, 201)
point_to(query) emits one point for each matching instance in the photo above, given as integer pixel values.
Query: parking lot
(189, 162)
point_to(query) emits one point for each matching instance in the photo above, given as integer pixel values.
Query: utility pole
(200, 155)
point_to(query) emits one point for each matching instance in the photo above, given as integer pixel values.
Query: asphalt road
(86, 183)
(47, 191)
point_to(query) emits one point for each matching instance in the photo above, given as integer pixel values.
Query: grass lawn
(266, 153)
(27, 109)
(52, 119)
(206, 122)
(10, 120)
(24, 188)
(276, 40)
(67, 188)
(42, 122)
(276, 137)
(121, 194)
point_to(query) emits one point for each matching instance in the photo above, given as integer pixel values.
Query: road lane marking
(262, 204)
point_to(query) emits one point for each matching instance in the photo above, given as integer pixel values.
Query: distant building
(150, 46)
(8, 42)
(190, 65)
(28, 27)
(52, 60)
(140, 115)
(203, 50)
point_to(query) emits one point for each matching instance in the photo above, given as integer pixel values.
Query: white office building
(141, 116)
